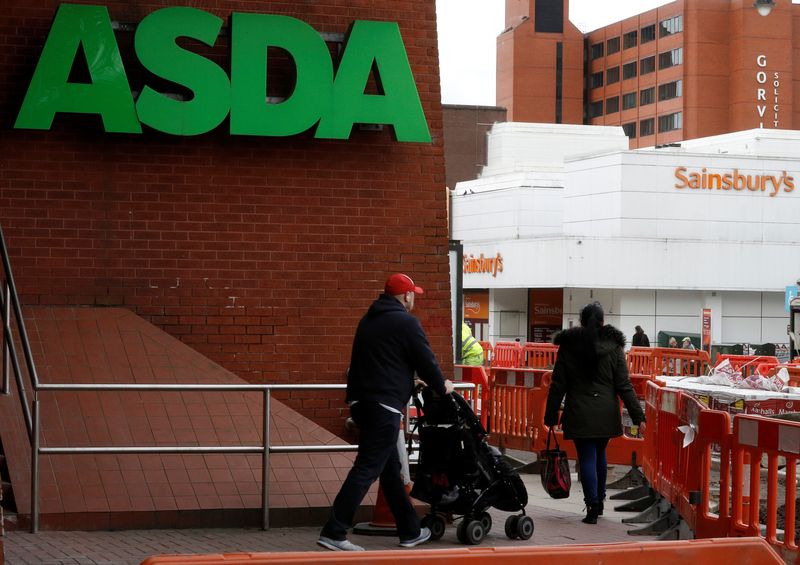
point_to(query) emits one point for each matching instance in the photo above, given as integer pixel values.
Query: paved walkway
(557, 522)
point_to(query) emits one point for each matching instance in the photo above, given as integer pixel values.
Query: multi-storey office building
(688, 69)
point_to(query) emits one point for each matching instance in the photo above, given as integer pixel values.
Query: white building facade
(656, 235)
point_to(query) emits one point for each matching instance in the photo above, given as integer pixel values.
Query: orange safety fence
(488, 352)
(478, 398)
(742, 551)
(756, 442)
(747, 364)
(769, 369)
(506, 354)
(539, 355)
(683, 437)
(668, 361)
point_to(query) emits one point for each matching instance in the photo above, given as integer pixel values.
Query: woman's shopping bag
(555, 469)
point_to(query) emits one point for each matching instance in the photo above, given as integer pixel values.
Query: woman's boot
(600, 508)
(592, 511)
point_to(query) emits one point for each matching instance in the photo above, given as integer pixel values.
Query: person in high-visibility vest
(471, 350)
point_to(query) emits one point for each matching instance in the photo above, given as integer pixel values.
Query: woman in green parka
(591, 372)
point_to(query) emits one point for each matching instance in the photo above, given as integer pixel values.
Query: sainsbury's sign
(330, 102)
(733, 180)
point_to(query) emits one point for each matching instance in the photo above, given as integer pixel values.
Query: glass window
(670, 90)
(646, 127)
(629, 39)
(596, 109)
(612, 75)
(630, 129)
(629, 101)
(629, 70)
(647, 65)
(612, 105)
(670, 122)
(670, 26)
(647, 96)
(612, 45)
(670, 58)
(597, 50)
(596, 79)
(648, 33)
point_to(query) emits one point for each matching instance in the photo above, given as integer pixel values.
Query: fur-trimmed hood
(609, 339)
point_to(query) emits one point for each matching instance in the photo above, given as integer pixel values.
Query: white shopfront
(656, 235)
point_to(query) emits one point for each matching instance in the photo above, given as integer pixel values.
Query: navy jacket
(389, 347)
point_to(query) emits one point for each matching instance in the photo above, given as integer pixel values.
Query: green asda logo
(331, 101)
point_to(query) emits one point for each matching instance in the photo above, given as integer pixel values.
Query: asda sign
(328, 101)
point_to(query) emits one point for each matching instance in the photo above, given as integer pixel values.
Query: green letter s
(108, 94)
(399, 105)
(158, 52)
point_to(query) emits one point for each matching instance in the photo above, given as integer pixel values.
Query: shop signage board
(328, 96)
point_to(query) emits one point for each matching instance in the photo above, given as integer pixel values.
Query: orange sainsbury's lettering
(705, 180)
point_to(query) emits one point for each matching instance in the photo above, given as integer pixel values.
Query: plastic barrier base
(714, 551)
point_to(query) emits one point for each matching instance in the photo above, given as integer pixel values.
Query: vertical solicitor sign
(330, 102)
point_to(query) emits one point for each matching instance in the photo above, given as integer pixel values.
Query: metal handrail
(265, 449)
(9, 298)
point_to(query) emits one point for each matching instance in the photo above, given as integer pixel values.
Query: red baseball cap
(399, 283)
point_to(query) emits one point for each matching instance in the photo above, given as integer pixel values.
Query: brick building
(259, 253)
(688, 69)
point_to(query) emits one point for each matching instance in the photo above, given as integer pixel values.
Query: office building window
(629, 70)
(646, 127)
(647, 96)
(648, 33)
(670, 90)
(559, 79)
(612, 45)
(630, 130)
(670, 26)
(596, 79)
(670, 58)
(670, 122)
(597, 50)
(549, 16)
(612, 75)
(612, 105)
(629, 101)
(596, 109)
(629, 39)
(647, 65)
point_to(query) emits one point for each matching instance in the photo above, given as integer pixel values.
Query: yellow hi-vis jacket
(471, 350)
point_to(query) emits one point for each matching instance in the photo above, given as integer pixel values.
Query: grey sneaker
(340, 545)
(424, 535)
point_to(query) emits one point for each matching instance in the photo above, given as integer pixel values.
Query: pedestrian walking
(389, 347)
(591, 372)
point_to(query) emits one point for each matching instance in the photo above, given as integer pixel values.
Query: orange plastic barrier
(488, 352)
(742, 551)
(756, 439)
(747, 364)
(479, 397)
(540, 355)
(506, 354)
(667, 361)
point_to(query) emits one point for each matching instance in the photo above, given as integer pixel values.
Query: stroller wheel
(435, 523)
(486, 522)
(524, 527)
(472, 532)
(511, 526)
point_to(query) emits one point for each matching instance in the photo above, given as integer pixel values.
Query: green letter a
(399, 105)
(108, 94)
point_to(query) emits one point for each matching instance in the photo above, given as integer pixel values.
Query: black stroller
(459, 474)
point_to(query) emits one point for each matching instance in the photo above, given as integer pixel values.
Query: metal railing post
(6, 338)
(35, 467)
(265, 465)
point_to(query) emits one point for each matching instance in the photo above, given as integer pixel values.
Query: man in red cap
(389, 347)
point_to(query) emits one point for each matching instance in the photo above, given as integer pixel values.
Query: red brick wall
(261, 253)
